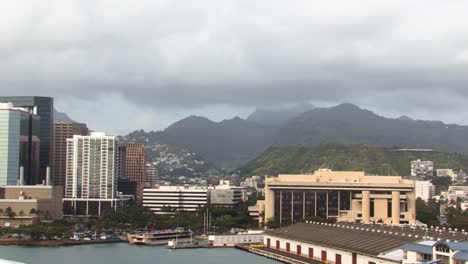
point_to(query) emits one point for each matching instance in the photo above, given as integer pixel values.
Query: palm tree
(9, 212)
(34, 211)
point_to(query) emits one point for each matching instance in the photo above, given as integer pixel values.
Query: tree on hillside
(427, 213)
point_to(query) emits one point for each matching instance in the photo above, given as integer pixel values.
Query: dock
(280, 256)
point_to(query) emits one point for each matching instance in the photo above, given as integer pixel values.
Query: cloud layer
(161, 57)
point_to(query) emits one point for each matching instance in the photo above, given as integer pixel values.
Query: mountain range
(278, 116)
(234, 142)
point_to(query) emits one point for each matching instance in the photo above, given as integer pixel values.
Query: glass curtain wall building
(43, 107)
(19, 144)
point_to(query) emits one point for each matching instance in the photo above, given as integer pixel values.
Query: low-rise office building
(346, 196)
(167, 199)
(226, 195)
(29, 204)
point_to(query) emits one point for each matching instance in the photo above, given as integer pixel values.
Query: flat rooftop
(360, 238)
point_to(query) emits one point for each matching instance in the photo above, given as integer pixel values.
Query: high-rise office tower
(135, 166)
(19, 144)
(151, 174)
(62, 132)
(120, 156)
(44, 108)
(90, 171)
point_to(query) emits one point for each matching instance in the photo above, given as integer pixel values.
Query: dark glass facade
(294, 205)
(30, 147)
(44, 108)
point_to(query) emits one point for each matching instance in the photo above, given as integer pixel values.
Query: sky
(125, 65)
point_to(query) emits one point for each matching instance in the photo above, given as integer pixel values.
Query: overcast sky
(125, 65)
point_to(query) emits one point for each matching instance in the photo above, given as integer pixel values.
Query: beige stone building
(344, 195)
(25, 201)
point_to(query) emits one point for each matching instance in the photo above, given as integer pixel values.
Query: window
(324, 255)
(443, 248)
(371, 262)
(338, 259)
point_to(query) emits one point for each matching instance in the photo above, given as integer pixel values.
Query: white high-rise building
(424, 190)
(91, 181)
(90, 167)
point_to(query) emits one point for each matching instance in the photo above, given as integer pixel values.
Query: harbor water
(122, 253)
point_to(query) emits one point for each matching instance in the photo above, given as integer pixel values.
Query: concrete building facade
(30, 204)
(167, 199)
(346, 196)
(226, 197)
(424, 190)
(62, 132)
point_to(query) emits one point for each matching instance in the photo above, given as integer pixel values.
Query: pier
(278, 255)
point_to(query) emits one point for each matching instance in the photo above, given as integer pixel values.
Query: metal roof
(462, 255)
(456, 245)
(365, 239)
(417, 248)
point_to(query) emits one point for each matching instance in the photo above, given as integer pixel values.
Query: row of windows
(310, 252)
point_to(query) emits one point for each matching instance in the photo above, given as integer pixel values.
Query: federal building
(344, 195)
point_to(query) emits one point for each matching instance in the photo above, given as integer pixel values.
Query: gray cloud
(164, 59)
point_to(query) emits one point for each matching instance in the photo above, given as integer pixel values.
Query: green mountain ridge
(372, 159)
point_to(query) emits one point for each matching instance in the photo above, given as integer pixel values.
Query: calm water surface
(127, 254)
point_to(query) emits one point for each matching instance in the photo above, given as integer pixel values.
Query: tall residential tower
(91, 183)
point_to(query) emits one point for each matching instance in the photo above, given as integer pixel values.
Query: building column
(365, 206)
(303, 205)
(292, 207)
(411, 203)
(396, 207)
(269, 204)
(327, 206)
